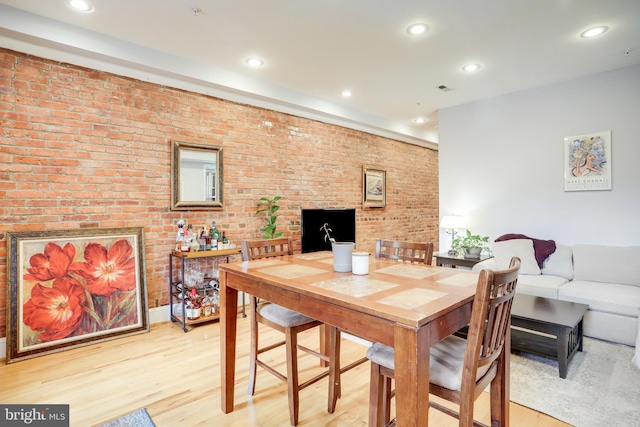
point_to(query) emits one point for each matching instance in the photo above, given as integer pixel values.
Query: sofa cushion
(522, 248)
(610, 327)
(607, 297)
(541, 248)
(608, 264)
(559, 263)
(540, 285)
(489, 264)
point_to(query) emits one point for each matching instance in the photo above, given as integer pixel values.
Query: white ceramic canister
(360, 263)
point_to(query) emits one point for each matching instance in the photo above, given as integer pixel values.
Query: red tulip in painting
(80, 296)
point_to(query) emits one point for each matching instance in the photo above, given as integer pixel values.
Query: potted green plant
(470, 245)
(271, 208)
(342, 251)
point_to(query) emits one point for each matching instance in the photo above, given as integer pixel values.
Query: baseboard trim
(156, 315)
(159, 314)
(162, 314)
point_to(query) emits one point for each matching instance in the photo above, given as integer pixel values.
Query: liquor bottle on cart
(207, 305)
(180, 235)
(202, 240)
(205, 239)
(186, 239)
(215, 236)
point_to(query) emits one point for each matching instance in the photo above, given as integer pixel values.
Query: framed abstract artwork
(70, 288)
(587, 162)
(374, 187)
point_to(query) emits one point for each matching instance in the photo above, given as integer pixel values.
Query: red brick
(87, 149)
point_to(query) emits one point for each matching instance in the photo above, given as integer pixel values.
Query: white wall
(501, 162)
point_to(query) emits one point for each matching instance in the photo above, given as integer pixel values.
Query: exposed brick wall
(81, 148)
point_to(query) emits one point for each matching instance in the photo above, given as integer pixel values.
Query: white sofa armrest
(490, 264)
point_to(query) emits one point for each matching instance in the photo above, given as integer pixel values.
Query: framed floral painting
(70, 288)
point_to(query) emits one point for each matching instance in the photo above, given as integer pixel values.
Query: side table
(443, 259)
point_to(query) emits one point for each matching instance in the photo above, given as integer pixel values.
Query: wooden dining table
(407, 306)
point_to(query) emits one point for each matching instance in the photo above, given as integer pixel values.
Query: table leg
(335, 387)
(412, 375)
(325, 343)
(228, 330)
(581, 336)
(562, 339)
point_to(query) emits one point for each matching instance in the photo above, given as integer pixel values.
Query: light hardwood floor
(176, 377)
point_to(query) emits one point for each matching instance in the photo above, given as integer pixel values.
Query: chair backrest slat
(418, 253)
(490, 317)
(266, 248)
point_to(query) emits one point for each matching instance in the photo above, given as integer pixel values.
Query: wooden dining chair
(460, 369)
(417, 253)
(290, 323)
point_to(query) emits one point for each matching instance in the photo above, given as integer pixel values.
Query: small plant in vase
(342, 251)
(470, 245)
(327, 233)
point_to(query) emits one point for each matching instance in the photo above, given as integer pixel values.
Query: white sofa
(607, 278)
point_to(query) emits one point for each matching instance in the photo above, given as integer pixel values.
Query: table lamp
(452, 222)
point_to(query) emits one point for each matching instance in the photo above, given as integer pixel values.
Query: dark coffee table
(547, 327)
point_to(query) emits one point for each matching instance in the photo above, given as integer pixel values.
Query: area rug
(139, 418)
(602, 387)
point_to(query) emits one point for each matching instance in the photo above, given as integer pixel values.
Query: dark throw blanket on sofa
(542, 248)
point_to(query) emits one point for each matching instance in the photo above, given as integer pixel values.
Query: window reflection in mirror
(196, 176)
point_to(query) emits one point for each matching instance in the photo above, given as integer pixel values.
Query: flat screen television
(342, 222)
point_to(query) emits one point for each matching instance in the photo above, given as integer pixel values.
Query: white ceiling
(313, 50)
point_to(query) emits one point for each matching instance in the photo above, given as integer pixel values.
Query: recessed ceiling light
(471, 67)
(80, 5)
(593, 32)
(254, 62)
(417, 29)
(420, 120)
(346, 93)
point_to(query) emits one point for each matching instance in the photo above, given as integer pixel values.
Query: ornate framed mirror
(196, 176)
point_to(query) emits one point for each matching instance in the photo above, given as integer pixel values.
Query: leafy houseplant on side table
(470, 245)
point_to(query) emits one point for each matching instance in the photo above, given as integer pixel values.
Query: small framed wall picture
(374, 187)
(587, 162)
